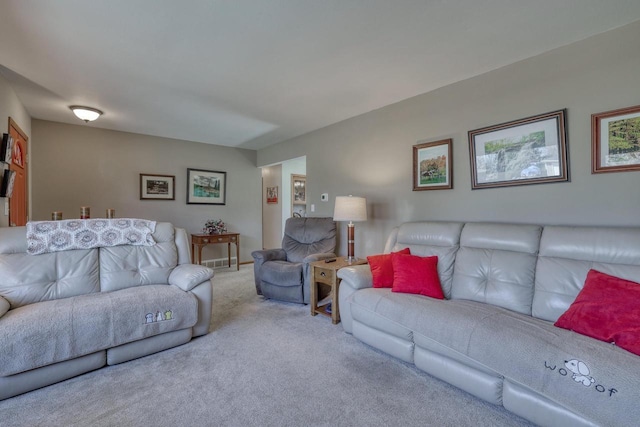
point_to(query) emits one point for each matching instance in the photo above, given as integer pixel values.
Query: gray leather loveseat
(494, 336)
(68, 312)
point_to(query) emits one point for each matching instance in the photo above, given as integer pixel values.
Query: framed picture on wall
(6, 148)
(298, 189)
(433, 165)
(6, 189)
(615, 140)
(157, 187)
(272, 195)
(206, 187)
(532, 150)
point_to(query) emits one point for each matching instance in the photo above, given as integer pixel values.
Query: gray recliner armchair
(283, 274)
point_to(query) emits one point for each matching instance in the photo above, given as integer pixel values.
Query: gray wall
(272, 212)
(75, 166)
(371, 155)
(10, 106)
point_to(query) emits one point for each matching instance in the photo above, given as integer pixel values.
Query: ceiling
(251, 73)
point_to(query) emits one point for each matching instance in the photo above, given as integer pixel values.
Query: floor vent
(219, 262)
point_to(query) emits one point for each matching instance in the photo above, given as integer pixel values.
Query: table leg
(199, 255)
(314, 292)
(238, 253)
(335, 309)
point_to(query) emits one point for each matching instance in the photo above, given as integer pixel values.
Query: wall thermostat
(324, 197)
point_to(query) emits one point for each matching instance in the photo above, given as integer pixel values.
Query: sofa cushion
(402, 315)
(496, 265)
(606, 309)
(125, 266)
(27, 279)
(568, 253)
(52, 331)
(429, 238)
(416, 275)
(382, 268)
(591, 378)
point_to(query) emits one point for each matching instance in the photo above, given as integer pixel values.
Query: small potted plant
(214, 226)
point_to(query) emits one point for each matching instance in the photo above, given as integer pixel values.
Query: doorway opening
(280, 178)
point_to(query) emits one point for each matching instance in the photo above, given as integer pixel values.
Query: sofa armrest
(188, 276)
(4, 306)
(357, 276)
(353, 278)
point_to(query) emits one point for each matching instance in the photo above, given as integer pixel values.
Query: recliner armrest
(188, 276)
(260, 257)
(317, 257)
(4, 306)
(357, 276)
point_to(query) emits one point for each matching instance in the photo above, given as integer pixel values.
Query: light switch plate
(324, 197)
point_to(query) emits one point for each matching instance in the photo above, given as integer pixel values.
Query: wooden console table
(198, 241)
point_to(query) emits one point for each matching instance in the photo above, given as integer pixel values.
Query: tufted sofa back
(568, 253)
(27, 279)
(530, 269)
(427, 238)
(496, 265)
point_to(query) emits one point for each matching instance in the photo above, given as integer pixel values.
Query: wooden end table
(199, 241)
(325, 275)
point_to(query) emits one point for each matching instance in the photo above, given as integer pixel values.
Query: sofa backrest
(568, 253)
(529, 269)
(496, 265)
(27, 279)
(429, 238)
(127, 266)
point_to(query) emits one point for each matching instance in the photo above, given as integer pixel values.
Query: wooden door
(19, 201)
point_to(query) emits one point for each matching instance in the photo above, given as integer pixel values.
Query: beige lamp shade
(349, 208)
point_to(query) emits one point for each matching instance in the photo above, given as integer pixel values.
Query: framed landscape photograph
(206, 187)
(532, 150)
(433, 165)
(157, 187)
(615, 140)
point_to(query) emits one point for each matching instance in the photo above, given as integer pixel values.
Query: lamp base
(351, 259)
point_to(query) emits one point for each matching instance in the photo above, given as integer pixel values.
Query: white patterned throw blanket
(54, 236)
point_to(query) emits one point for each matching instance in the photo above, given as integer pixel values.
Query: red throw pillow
(382, 268)
(416, 275)
(606, 309)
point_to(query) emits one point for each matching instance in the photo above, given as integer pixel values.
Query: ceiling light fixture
(87, 114)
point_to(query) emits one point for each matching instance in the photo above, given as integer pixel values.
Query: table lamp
(349, 208)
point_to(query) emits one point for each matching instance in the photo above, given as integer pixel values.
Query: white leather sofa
(66, 313)
(493, 335)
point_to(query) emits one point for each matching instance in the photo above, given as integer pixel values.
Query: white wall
(371, 155)
(10, 106)
(78, 165)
